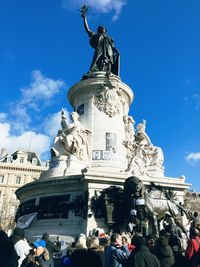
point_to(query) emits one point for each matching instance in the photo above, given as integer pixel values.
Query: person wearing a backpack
(192, 252)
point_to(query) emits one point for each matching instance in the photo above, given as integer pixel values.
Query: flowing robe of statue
(106, 56)
(141, 153)
(72, 139)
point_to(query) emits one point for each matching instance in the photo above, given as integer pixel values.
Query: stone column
(102, 102)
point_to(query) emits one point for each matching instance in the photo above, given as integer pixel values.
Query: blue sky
(44, 50)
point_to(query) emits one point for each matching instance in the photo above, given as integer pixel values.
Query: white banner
(25, 221)
(140, 201)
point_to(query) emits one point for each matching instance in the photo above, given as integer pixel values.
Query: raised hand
(84, 11)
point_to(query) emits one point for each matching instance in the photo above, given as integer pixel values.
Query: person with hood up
(141, 256)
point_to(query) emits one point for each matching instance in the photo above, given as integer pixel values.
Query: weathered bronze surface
(106, 56)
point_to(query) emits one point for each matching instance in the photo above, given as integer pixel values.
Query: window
(1, 178)
(21, 160)
(13, 196)
(9, 159)
(34, 161)
(54, 207)
(13, 210)
(18, 179)
(26, 208)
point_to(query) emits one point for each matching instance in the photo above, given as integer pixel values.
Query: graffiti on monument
(101, 155)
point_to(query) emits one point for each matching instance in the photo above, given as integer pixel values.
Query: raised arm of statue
(83, 15)
(141, 133)
(106, 57)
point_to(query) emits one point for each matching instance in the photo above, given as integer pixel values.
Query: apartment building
(16, 169)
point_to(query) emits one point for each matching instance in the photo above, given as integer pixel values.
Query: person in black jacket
(51, 247)
(164, 252)
(141, 256)
(8, 255)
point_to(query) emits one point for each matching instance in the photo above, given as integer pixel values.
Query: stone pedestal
(102, 102)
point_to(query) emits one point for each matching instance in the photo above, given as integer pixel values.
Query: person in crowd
(81, 241)
(141, 256)
(115, 254)
(21, 245)
(66, 260)
(164, 252)
(195, 219)
(150, 243)
(194, 223)
(104, 241)
(95, 253)
(166, 219)
(37, 256)
(126, 242)
(174, 236)
(51, 247)
(8, 255)
(79, 253)
(193, 248)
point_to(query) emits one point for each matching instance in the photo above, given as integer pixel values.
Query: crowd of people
(116, 249)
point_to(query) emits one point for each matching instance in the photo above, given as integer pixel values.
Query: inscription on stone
(100, 155)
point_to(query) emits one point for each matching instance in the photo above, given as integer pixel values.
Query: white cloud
(23, 126)
(196, 99)
(28, 140)
(193, 157)
(40, 88)
(193, 100)
(34, 98)
(100, 6)
(4, 131)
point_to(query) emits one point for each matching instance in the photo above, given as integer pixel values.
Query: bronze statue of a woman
(106, 56)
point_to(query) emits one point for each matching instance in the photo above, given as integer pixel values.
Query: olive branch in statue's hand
(83, 11)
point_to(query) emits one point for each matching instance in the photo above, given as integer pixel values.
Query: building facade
(16, 169)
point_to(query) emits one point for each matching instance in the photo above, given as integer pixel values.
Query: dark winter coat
(95, 257)
(165, 255)
(78, 257)
(141, 257)
(52, 247)
(8, 255)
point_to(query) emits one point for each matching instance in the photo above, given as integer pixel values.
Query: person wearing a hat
(141, 256)
(37, 256)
